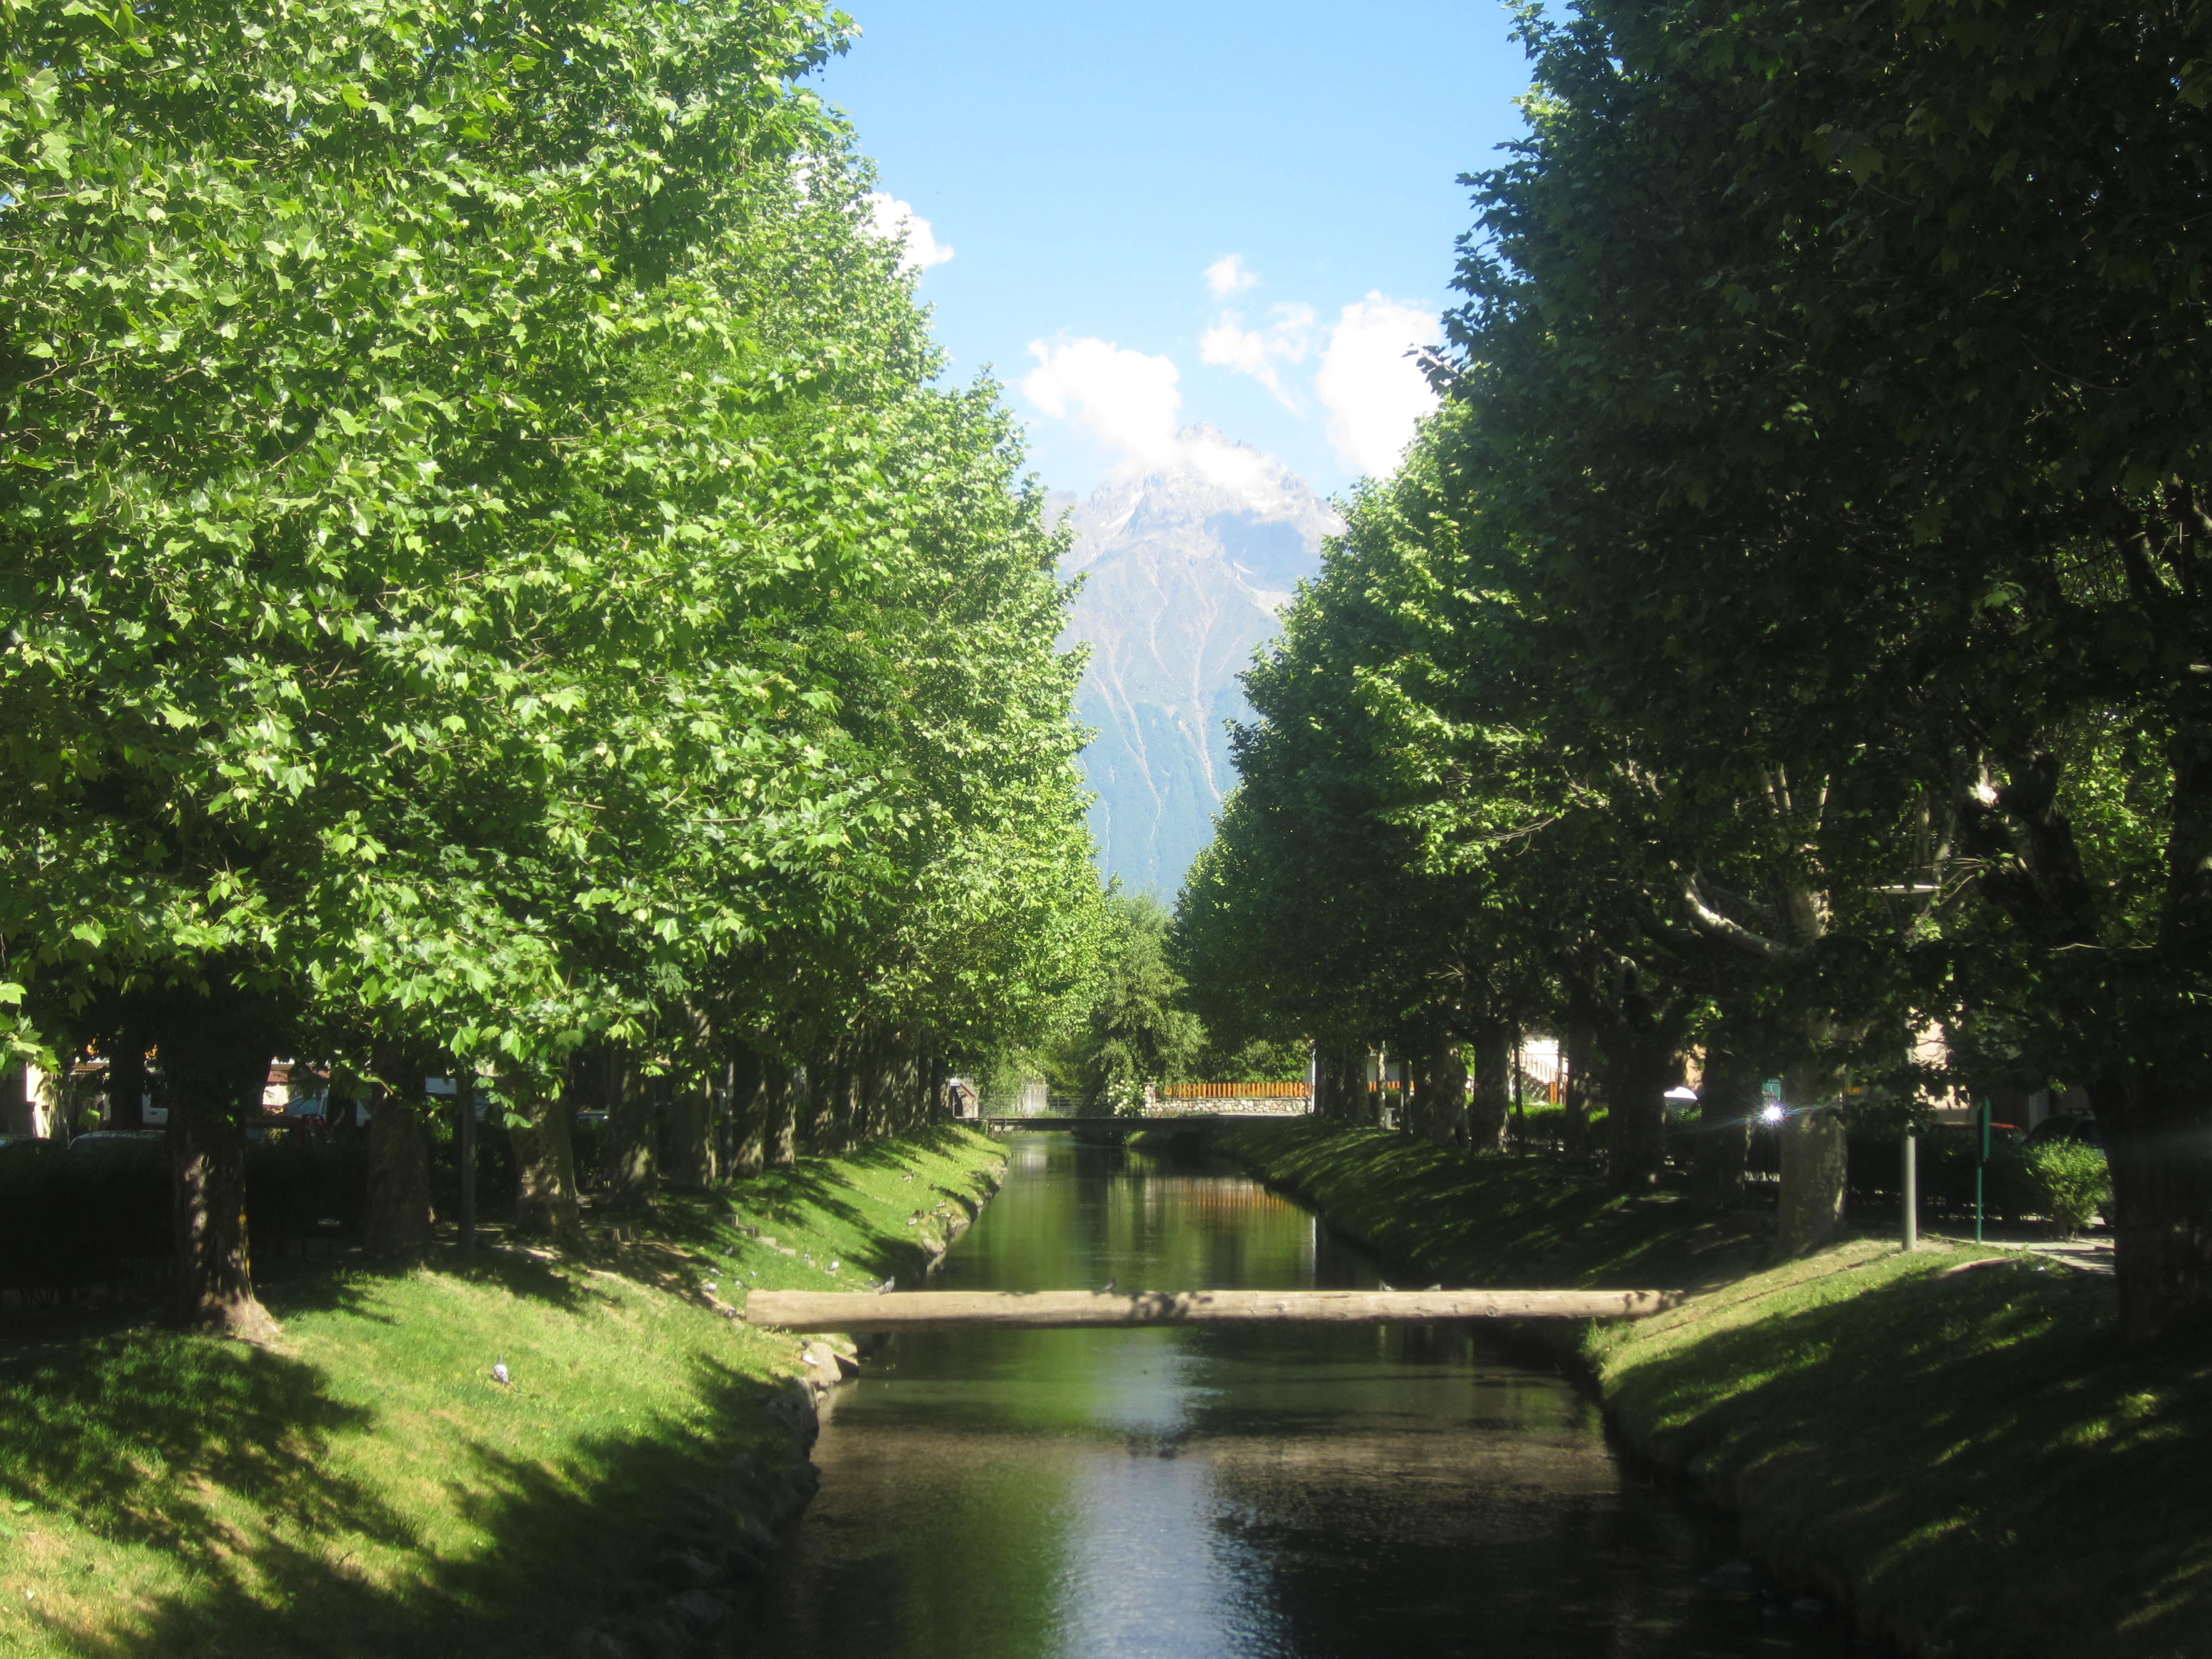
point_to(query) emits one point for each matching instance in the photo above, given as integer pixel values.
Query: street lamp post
(1981, 1165)
(1912, 1151)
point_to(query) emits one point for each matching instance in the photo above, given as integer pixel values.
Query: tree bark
(1815, 1163)
(1446, 1087)
(215, 1077)
(544, 1171)
(1340, 1080)
(2158, 1138)
(833, 1121)
(398, 1166)
(691, 1134)
(629, 1159)
(938, 1097)
(341, 1107)
(1493, 1106)
(746, 1123)
(1727, 1104)
(1809, 1209)
(1637, 1069)
(1576, 1051)
(788, 1105)
(1425, 1119)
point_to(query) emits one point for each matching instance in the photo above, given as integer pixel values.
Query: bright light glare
(1772, 1115)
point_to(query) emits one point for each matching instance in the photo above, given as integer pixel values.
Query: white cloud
(1129, 402)
(1128, 399)
(1227, 276)
(1233, 467)
(1230, 344)
(1373, 389)
(896, 222)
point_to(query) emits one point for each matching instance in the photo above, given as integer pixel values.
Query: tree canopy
(488, 568)
(1791, 636)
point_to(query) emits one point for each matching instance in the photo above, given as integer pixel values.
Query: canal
(1216, 1493)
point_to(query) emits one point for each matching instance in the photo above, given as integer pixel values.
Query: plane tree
(456, 453)
(1854, 361)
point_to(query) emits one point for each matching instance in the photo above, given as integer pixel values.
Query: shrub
(2067, 1183)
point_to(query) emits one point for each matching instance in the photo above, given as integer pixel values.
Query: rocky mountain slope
(1185, 569)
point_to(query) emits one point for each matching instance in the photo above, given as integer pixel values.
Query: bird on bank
(499, 1373)
(1112, 1284)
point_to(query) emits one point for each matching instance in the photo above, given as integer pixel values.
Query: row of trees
(1791, 637)
(1135, 1031)
(491, 585)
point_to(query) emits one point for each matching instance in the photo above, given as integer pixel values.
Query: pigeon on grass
(499, 1373)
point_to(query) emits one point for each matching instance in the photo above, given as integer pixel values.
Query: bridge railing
(1300, 1089)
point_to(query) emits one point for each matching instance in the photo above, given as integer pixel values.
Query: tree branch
(1720, 926)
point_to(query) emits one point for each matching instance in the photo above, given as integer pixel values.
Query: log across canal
(895, 1310)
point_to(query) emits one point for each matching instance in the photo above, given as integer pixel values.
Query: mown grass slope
(1956, 1439)
(365, 1487)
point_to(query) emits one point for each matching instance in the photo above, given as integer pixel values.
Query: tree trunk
(1493, 1088)
(1727, 1104)
(1324, 1104)
(1425, 1119)
(341, 1107)
(1809, 1211)
(398, 1166)
(1340, 1081)
(2158, 1137)
(833, 1119)
(1575, 1092)
(747, 1113)
(936, 1099)
(211, 1085)
(691, 1134)
(544, 1171)
(126, 1082)
(787, 1112)
(1638, 1065)
(628, 1163)
(1815, 1164)
(1446, 1088)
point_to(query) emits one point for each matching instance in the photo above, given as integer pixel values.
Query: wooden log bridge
(900, 1310)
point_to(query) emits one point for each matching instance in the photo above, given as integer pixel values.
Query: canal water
(1213, 1493)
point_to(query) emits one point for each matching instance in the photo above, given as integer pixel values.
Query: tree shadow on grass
(217, 1453)
(244, 1490)
(781, 1192)
(1982, 1438)
(1506, 1222)
(537, 1276)
(123, 1432)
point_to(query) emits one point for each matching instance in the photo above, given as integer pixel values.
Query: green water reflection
(1202, 1493)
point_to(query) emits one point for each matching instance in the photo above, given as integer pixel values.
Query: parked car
(106, 1139)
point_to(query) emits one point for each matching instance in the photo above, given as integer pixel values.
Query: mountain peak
(1188, 565)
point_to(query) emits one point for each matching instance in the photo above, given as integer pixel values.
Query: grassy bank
(1954, 1440)
(365, 1487)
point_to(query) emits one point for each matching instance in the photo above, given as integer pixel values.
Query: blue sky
(1088, 166)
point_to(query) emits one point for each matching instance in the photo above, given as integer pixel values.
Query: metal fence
(1298, 1091)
